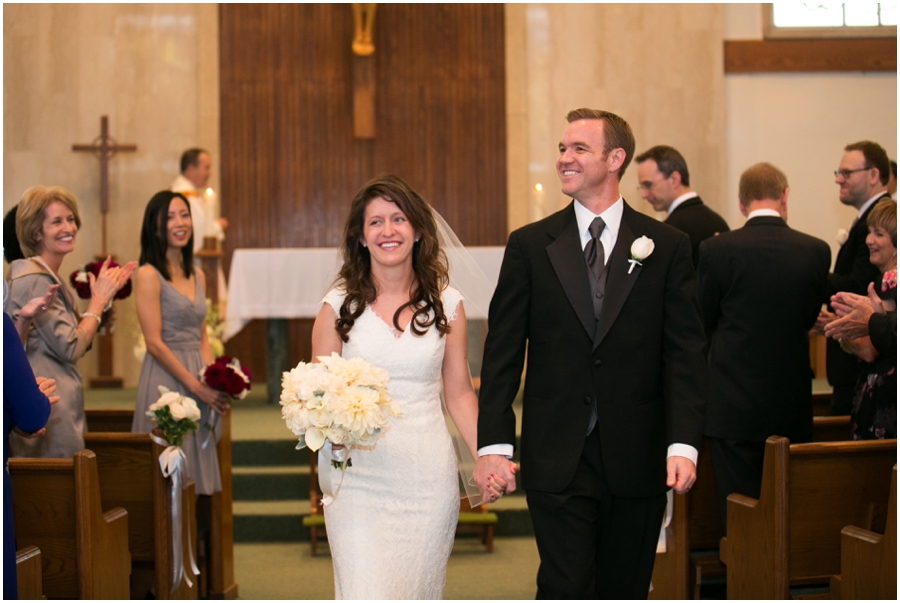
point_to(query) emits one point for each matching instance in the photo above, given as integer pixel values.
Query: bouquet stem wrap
(172, 464)
(327, 454)
(210, 429)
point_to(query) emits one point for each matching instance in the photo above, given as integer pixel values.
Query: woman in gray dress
(47, 223)
(171, 308)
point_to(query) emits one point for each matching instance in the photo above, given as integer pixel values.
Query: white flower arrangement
(640, 250)
(175, 414)
(344, 401)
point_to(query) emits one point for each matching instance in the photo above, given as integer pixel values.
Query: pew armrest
(112, 555)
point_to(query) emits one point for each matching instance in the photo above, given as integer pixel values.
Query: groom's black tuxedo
(645, 368)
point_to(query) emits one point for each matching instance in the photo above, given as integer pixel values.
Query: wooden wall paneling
(835, 54)
(290, 162)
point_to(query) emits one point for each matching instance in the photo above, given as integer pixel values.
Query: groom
(614, 394)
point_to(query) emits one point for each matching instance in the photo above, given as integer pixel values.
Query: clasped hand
(495, 475)
(110, 280)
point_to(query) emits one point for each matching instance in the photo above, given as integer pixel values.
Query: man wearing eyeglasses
(664, 182)
(862, 176)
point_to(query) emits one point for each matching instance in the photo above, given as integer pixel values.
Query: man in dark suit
(604, 299)
(862, 176)
(760, 292)
(664, 183)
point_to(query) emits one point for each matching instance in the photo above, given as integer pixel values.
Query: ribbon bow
(172, 464)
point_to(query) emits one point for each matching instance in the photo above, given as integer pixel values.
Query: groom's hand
(681, 474)
(491, 468)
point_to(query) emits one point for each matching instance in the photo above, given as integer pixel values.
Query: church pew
(821, 404)
(670, 570)
(28, 573)
(869, 560)
(831, 429)
(220, 576)
(109, 419)
(703, 517)
(57, 508)
(791, 535)
(130, 477)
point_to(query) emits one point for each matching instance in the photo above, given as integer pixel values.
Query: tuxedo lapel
(618, 282)
(567, 259)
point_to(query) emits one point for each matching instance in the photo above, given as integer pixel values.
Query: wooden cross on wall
(104, 147)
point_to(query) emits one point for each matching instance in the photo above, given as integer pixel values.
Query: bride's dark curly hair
(428, 259)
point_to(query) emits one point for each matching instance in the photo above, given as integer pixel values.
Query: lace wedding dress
(391, 526)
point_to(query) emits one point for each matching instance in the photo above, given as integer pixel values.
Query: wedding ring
(43, 308)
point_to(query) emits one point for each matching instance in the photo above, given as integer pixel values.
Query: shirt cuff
(685, 450)
(502, 449)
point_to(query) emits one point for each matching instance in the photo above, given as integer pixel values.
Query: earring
(418, 239)
(363, 243)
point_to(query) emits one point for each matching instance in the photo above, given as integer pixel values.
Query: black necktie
(595, 258)
(593, 251)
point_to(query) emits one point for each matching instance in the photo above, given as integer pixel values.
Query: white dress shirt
(756, 213)
(679, 200)
(612, 216)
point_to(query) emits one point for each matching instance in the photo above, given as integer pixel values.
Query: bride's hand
(496, 488)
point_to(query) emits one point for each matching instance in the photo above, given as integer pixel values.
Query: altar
(281, 284)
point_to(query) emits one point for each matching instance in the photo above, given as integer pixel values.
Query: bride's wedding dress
(391, 526)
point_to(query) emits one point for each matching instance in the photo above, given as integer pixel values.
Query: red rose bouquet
(81, 283)
(226, 374)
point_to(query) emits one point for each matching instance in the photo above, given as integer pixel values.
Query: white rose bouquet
(343, 401)
(174, 414)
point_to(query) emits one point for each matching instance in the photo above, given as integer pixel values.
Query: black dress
(874, 412)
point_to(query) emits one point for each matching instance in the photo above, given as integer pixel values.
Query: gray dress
(182, 320)
(53, 346)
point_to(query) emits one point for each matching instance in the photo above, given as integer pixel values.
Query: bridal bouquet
(174, 414)
(227, 374)
(343, 401)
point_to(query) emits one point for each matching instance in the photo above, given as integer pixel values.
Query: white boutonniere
(842, 235)
(640, 251)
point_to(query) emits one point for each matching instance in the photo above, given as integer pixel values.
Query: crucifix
(104, 147)
(363, 71)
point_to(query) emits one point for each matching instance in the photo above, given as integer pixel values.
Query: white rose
(191, 410)
(642, 248)
(842, 235)
(178, 412)
(82, 276)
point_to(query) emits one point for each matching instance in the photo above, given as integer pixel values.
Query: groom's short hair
(761, 182)
(617, 133)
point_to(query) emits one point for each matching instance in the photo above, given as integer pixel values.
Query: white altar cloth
(290, 283)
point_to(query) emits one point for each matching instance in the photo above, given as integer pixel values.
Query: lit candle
(539, 199)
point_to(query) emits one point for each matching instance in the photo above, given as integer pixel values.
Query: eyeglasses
(846, 173)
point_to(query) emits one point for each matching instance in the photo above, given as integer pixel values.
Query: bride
(391, 527)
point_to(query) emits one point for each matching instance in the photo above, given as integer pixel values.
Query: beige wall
(801, 123)
(658, 66)
(153, 69)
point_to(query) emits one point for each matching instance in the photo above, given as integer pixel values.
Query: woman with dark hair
(47, 223)
(11, 249)
(171, 309)
(391, 526)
